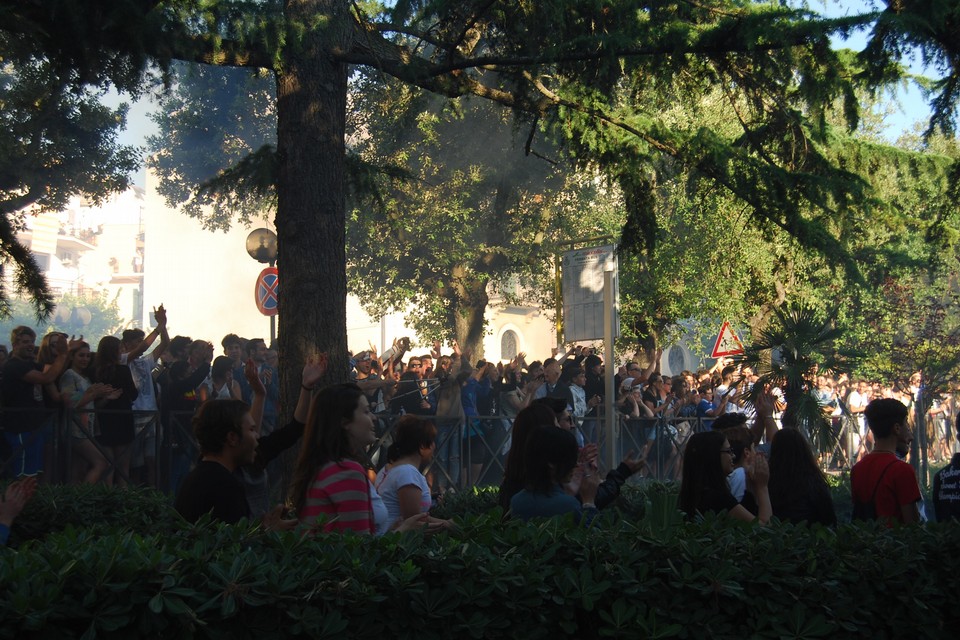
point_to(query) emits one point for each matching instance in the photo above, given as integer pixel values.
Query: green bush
(56, 507)
(490, 579)
(107, 571)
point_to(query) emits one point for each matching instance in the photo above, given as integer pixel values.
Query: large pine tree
(575, 66)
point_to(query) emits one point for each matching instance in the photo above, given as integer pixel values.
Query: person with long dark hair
(75, 384)
(798, 490)
(708, 460)
(115, 412)
(549, 461)
(329, 479)
(221, 384)
(528, 420)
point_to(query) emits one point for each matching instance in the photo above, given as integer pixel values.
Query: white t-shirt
(141, 370)
(381, 520)
(857, 401)
(737, 481)
(391, 480)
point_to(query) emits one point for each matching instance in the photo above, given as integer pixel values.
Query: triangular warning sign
(728, 344)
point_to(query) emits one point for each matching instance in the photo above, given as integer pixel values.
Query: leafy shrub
(119, 564)
(490, 579)
(56, 507)
(473, 501)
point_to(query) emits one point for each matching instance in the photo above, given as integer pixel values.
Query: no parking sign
(267, 292)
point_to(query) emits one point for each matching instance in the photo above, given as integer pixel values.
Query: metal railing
(161, 453)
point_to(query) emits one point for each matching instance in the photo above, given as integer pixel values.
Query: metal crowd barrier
(163, 452)
(156, 456)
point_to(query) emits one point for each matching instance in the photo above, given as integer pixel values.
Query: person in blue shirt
(550, 463)
(710, 406)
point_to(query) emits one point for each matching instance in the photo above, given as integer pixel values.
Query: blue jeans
(27, 457)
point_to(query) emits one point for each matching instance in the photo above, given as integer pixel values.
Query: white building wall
(205, 279)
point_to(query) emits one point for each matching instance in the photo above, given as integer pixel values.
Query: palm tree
(798, 344)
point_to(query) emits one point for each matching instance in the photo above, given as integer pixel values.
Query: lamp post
(262, 247)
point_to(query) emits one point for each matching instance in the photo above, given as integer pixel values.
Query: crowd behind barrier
(126, 416)
(175, 450)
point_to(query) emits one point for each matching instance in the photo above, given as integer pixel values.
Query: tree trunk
(311, 125)
(468, 308)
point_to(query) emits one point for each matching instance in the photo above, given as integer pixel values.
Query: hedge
(654, 577)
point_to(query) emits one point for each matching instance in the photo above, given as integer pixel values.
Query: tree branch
(707, 44)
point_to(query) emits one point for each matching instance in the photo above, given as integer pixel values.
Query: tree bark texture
(468, 306)
(310, 219)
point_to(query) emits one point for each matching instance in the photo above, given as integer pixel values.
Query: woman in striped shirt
(331, 489)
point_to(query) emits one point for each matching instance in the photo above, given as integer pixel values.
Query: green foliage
(474, 198)
(57, 142)
(104, 318)
(489, 579)
(596, 77)
(214, 154)
(799, 344)
(94, 508)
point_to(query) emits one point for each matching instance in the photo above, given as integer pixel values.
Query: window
(508, 345)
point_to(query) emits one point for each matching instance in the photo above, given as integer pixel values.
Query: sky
(909, 104)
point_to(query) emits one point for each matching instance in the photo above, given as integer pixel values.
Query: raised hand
(314, 370)
(253, 378)
(206, 356)
(588, 456)
(588, 486)
(633, 463)
(160, 315)
(758, 471)
(15, 498)
(389, 373)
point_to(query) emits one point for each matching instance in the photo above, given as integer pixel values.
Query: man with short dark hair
(133, 347)
(228, 435)
(880, 479)
(233, 348)
(228, 432)
(26, 420)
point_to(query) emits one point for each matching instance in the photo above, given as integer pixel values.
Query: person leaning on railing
(26, 423)
(81, 394)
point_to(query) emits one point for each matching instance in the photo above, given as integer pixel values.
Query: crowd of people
(375, 453)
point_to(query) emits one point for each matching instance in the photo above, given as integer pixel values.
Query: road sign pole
(611, 400)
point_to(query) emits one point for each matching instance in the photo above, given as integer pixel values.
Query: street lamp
(262, 247)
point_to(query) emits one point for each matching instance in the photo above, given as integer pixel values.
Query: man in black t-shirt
(25, 416)
(228, 437)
